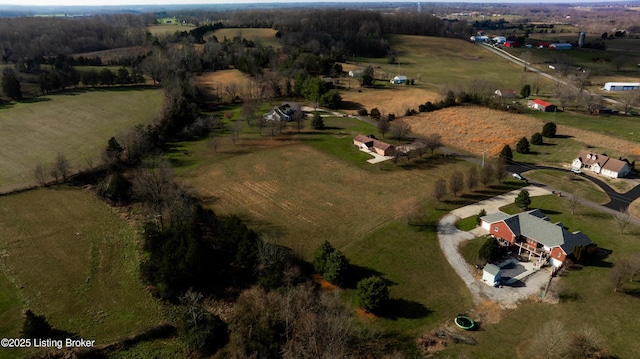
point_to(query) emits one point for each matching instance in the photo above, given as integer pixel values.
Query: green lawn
(467, 224)
(591, 302)
(76, 123)
(569, 183)
(69, 257)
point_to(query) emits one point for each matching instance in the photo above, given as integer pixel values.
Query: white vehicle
(517, 176)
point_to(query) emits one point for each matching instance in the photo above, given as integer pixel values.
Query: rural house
(601, 164)
(284, 112)
(373, 145)
(399, 80)
(541, 105)
(355, 73)
(622, 86)
(532, 232)
(505, 93)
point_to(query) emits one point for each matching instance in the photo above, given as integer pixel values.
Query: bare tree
(472, 178)
(500, 170)
(232, 90)
(62, 167)
(214, 140)
(40, 174)
(573, 202)
(629, 99)
(248, 111)
(486, 173)
(135, 143)
(439, 189)
(399, 129)
(526, 59)
(433, 141)
(383, 125)
(152, 184)
(456, 182)
(550, 342)
(298, 116)
(622, 219)
(621, 272)
(236, 129)
(421, 147)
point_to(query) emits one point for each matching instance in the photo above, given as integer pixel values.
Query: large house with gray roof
(531, 232)
(601, 164)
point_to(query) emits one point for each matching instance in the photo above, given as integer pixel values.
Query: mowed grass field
(66, 255)
(77, 124)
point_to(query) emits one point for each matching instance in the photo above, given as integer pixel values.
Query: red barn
(541, 105)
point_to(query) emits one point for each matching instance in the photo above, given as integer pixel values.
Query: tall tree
(367, 76)
(506, 153)
(372, 293)
(523, 146)
(439, 189)
(433, 141)
(11, 84)
(536, 139)
(399, 129)
(549, 129)
(486, 173)
(456, 182)
(525, 91)
(472, 178)
(383, 125)
(522, 200)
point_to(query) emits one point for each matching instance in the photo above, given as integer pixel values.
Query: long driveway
(450, 238)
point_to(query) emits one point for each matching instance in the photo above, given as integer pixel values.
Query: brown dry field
(115, 54)
(210, 81)
(389, 99)
(473, 128)
(296, 186)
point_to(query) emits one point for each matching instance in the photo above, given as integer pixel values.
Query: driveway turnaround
(450, 238)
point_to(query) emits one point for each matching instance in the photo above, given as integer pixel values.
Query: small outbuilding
(622, 86)
(505, 93)
(399, 80)
(492, 275)
(541, 105)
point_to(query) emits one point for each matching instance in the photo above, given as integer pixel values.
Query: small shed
(541, 105)
(492, 275)
(398, 80)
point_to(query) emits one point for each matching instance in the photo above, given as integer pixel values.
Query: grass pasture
(77, 124)
(69, 257)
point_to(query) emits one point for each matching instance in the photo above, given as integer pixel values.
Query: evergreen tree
(525, 91)
(368, 77)
(490, 250)
(372, 292)
(317, 122)
(11, 84)
(321, 255)
(523, 200)
(549, 130)
(375, 113)
(523, 146)
(506, 153)
(536, 139)
(336, 268)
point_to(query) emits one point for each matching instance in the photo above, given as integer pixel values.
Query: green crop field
(67, 256)
(77, 124)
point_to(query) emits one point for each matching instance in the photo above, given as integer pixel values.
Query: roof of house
(381, 145)
(535, 225)
(400, 77)
(622, 84)
(541, 102)
(495, 217)
(363, 139)
(491, 269)
(605, 162)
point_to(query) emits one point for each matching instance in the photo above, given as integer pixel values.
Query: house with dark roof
(541, 105)
(532, 233)
(284, 112)
(505, 93)
(601, 164)
(373, 145)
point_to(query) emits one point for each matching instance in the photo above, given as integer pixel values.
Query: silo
(583, 35)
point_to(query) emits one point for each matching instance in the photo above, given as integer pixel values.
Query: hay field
(215, 83)
(76, 123)
(389, 99)
(168, 29)
(71, 258)
(473, 129)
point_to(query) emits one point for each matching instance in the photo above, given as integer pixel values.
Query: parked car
(517, 176)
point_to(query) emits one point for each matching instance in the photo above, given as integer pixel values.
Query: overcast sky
(164, 2)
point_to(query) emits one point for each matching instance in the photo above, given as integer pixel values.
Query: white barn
(622, 86)
(398, 80)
